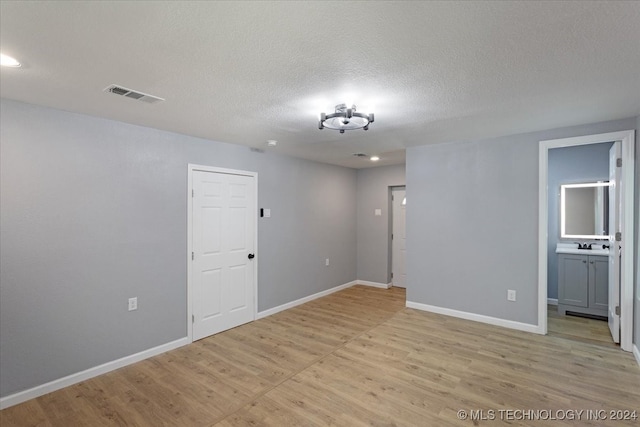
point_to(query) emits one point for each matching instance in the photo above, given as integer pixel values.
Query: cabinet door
(599, 282)
(573, 280)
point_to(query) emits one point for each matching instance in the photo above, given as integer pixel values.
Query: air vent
(130, 93)
(359, 155)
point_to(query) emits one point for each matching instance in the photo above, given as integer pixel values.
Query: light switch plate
(378, 212)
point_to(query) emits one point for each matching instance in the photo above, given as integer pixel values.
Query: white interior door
(223, 227)
(615, 213)
(399, 239)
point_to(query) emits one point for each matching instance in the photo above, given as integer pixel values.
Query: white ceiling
(246, 72)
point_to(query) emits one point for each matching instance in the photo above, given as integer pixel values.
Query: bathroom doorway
(573, 263)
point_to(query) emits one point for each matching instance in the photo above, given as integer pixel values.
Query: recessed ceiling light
(271, 142)
(374, 158)
(7, 61)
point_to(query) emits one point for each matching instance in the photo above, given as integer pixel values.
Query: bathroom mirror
(584, 210)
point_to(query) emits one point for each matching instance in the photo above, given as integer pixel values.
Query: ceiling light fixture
(374, 158)
(345, 118)
(271, 142)
(7, 61)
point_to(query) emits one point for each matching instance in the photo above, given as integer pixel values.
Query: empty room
(305, 213)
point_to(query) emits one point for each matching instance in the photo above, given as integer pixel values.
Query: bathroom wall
(570, 165)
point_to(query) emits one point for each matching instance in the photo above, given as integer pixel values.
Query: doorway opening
(620, 287)
(398, 237)
(577, 280)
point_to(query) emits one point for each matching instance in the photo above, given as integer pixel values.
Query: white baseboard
(475, 317)
(274, 310)
(552, 301)
(297, 302)
(54, 385)
(636, 353)
(374, 284)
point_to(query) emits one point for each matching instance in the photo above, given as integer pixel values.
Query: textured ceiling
(245, 72)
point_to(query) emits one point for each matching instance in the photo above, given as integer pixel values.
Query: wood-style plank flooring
(356, 357)
(578, 328)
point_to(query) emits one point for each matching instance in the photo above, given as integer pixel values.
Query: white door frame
(192, 168)
(627, 138)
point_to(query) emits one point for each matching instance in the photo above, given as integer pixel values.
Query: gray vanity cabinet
(583, 284)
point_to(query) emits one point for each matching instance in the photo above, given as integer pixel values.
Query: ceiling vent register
(130, 93)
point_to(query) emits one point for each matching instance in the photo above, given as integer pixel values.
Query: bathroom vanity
(583, 280)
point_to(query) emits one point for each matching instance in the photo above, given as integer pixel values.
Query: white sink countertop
(572, 248)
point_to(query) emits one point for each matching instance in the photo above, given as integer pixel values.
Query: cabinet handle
(591, 262)
(584, 262)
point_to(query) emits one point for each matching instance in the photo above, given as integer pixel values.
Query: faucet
(583, 246)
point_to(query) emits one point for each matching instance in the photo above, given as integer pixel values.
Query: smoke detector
(134, 94)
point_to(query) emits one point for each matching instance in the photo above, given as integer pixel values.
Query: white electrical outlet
(511, 295)
(326, 261)
(133, 303)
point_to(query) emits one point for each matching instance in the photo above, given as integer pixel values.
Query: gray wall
(95, 211)
(584, 163)
(473, 223)
(373, 231)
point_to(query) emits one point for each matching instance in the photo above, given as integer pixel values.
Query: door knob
(252, 256)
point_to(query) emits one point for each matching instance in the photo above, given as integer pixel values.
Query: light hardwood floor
(356, 357)
(578, 328)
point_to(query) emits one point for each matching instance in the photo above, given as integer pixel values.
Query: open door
(615, 212)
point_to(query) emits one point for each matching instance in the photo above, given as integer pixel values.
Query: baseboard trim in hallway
(288, 305)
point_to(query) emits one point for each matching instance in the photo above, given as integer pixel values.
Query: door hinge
(193, 318)
(619, 162)
(392, 198)
(618, 236)
(193, 193)
(617, 310)
(392, 275)
(193, 256)
(391, 236)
